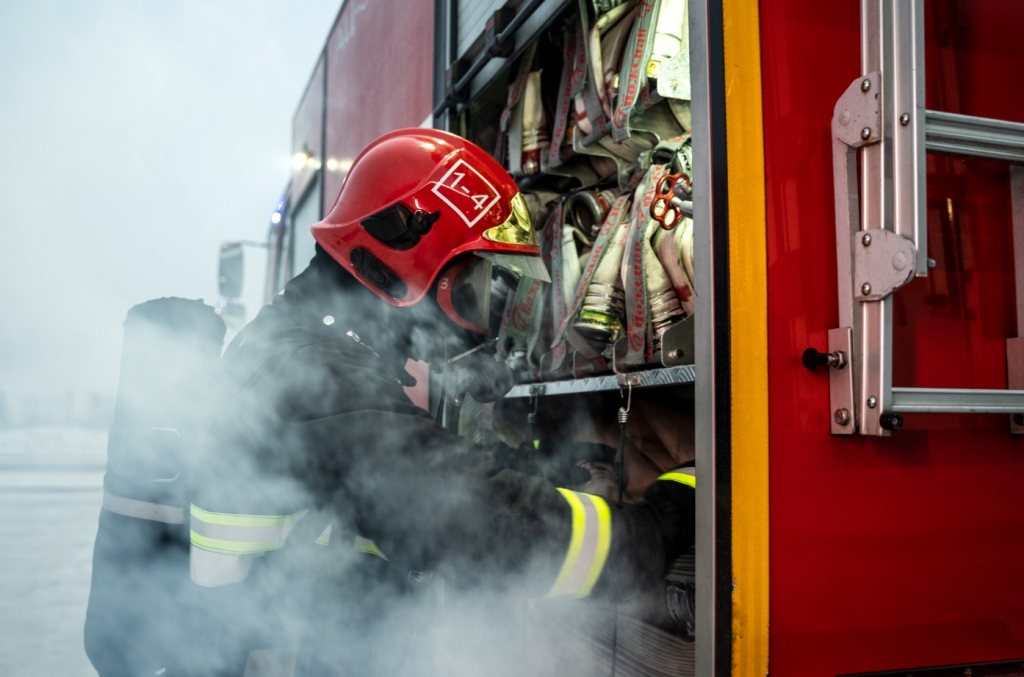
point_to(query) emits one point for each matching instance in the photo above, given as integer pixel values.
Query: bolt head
(865, 85)
(905, 119)
(865, 133)
(872, 402)
(1018, 419)
(866, 240)
(329, 320)
(865, 289)
(842, 416)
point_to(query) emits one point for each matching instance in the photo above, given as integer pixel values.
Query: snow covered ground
(51, 482)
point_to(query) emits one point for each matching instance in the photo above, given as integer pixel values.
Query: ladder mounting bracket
(882, 262)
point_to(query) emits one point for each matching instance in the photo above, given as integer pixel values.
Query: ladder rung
(977, 137)
(956, 400)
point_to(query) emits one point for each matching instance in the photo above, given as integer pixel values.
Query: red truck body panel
(907, 551)
(380, 58)
(308, 130)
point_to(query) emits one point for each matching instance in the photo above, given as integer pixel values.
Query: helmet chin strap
(467, 353)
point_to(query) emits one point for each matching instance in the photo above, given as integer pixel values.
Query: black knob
(892, 420)
(812, 358)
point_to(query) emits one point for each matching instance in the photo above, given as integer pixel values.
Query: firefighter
(326, 497)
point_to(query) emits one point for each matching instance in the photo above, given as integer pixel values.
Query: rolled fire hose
(668, 246)
(685, 239)
(604, 38)
(666, 309)
(582, 121)
(671, 36)
(613, 44)
(600, 320)
(585, 211)
(662, 300)
(535, 134)
(572, 263)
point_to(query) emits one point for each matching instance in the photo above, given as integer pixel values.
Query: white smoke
(134, 139)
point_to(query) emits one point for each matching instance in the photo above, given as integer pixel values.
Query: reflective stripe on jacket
(155, 512)
(681, 477)
(591, 539)
(240, 534)
(588, 546)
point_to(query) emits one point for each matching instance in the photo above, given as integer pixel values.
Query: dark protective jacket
(325, 498)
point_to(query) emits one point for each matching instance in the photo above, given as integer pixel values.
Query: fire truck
(841, 191)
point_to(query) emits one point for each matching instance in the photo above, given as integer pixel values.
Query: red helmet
(414, 200)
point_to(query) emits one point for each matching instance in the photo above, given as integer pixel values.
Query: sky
(135, 137)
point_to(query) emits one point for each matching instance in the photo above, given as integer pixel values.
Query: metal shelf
(652, 378)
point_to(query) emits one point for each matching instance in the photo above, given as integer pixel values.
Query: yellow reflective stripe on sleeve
(579, 520)
(681, 477)
(588, 545)
(230, 519)
(325, 536)
(369, 547)
(240, 534)
(233, 547)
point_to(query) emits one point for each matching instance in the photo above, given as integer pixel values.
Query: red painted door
(907, 551)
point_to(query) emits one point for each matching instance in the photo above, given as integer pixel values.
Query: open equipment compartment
(609, 174)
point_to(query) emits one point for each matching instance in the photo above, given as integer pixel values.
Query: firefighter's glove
(483, 378)
(647, 537)
(671, 503)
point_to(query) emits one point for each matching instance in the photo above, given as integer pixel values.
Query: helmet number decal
(466, 191)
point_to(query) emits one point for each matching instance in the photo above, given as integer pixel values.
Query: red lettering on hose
(629, 98)
(636, 340)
